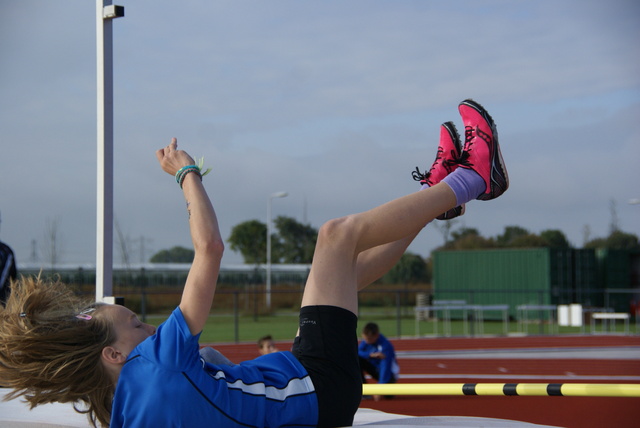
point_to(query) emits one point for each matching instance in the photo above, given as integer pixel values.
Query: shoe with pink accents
(481, 152)
(449, 150)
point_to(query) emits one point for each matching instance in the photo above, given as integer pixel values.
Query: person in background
(8, 271)
(377, 356)
(266, 345)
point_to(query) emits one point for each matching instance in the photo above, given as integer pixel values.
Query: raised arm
(197, 296)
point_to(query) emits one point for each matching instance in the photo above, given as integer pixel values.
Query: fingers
(171, 159)
(160, 154)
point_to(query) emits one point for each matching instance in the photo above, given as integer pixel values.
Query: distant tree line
(294, 242)
(518, 237)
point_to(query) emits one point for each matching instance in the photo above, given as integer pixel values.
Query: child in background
(266, 345)
(377, 356)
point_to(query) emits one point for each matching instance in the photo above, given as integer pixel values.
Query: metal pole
(104, 230)
(541, 312)
(236, 329)
(275, 195)
(105, 12)
(268, 261)
(398, 316)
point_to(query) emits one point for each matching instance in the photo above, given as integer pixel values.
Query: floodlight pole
(105, 13)
(274, 195)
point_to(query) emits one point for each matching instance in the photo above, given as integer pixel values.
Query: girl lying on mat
(121, 372)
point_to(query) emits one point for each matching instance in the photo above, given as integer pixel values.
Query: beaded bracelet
(182, 172)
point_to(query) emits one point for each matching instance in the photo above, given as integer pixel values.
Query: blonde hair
(49, 354)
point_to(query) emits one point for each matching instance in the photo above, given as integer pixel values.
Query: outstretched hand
(171, 159)
(198, 292)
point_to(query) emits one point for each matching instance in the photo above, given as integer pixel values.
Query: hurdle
(506, 389)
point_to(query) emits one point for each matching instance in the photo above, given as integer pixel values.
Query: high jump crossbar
(507, 389)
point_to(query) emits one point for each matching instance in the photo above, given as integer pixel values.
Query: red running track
(418, 365)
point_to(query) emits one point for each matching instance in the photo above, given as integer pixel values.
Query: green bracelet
(182, 172)
(186, 171)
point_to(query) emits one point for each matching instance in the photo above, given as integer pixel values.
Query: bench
(609, 316)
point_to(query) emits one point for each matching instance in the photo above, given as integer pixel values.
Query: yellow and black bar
(506, 389)
(550, 389)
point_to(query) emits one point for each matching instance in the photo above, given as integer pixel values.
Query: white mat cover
(16, 414)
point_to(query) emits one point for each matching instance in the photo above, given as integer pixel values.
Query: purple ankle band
(466, 184)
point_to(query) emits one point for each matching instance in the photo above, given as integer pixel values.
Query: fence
(241, 293)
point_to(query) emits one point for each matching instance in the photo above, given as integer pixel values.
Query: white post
(275, 195)
(105, 12)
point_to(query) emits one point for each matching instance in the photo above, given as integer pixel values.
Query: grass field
(283, 326)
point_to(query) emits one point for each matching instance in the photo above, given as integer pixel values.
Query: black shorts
(328, 348)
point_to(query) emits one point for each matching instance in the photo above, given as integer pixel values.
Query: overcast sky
(334, 102)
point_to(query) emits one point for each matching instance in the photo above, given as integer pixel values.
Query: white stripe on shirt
(295, 387)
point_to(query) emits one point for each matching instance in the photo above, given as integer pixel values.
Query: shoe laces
(418, 176)
(468, 135)
(464, 159)
(447, 164)
(468, 142)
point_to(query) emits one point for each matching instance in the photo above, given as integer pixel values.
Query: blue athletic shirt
(164, 383)
(388, 368)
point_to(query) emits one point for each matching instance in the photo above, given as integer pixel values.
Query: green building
(538, 276)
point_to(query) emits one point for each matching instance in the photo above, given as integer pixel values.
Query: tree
(555, 238)
(293, 242)
(463, 233)
(596, 243)
(411, 268)
(250, 239)
(529, 240)
(623, 241)
(510, 234)
(296, 241)
(471, 242)
(467, 238)
(617, 240)
(173, 255)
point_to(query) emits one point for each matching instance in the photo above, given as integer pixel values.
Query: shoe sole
(455, 138)
(499, 178)
(452, 213)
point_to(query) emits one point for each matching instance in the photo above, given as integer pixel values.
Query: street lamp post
(105, 13)
(273, 196)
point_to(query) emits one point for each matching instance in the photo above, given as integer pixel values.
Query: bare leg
(375, 262)
(334, 276)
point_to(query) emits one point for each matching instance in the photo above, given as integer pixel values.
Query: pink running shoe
(481, 151)
(446, 162)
